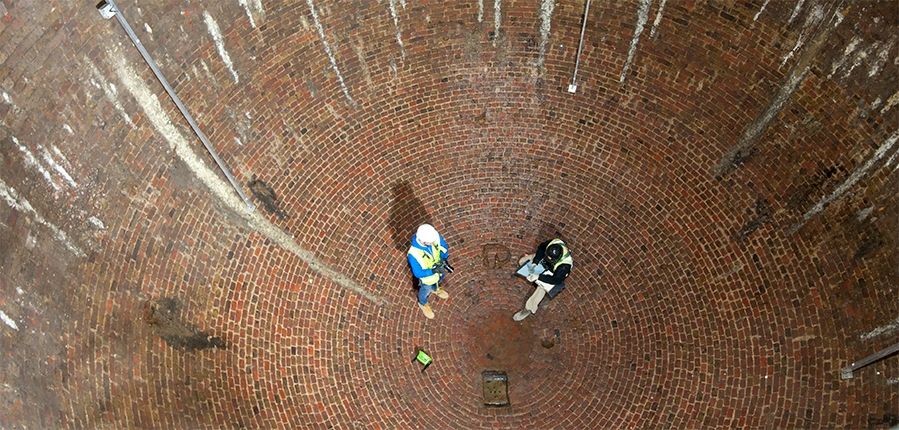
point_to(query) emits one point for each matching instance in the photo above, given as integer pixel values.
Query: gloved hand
(533, 277)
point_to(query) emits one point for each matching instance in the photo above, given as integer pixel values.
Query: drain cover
(496, 388)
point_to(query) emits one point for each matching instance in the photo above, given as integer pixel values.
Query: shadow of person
(407, 212)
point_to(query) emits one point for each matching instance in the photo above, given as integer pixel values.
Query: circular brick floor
(693, 303)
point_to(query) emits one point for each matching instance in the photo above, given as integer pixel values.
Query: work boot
(442, 293)
(522, 314)
(426, 309)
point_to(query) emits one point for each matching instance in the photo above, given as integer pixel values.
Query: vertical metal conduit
(572, 87)
(109, 9)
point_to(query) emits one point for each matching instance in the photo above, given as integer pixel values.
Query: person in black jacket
(556, 260)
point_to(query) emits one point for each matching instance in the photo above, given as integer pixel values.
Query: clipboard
(530, 269)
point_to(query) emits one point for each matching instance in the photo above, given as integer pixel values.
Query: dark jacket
(558, 275)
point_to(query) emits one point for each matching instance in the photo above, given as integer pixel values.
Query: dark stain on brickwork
(870, 243)
(407, 212)
(734, 160)
(162, 315)
(761, 216)
(265, 194)
(886, 420)
(802, 195)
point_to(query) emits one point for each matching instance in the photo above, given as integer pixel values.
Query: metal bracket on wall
(109, 9)
(846, 372)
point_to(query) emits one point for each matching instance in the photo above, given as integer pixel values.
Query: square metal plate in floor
(496, 388)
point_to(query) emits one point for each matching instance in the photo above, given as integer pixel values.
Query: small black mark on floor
(162, 315)
(265, 194)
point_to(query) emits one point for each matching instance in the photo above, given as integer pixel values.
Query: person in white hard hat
(427, 257)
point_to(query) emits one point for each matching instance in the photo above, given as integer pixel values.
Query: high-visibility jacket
(558, 285)
(428, 260)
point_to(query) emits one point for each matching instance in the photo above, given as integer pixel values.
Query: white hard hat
(427, 234)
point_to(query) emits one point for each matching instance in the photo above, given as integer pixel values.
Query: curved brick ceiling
(725, 175)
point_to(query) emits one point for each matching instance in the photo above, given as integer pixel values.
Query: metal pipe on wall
(572, 87)
(108, 9)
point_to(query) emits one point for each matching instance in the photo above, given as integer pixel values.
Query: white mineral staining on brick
(68, 128)
(109, 90)
(147, 27)
(762, 9)
(6, 97)
(207, 71)
(12, 198)
(58, 168)
(96, 222)
(60, 155)
(812, 20)
(853, 178)
(246, 8)
(655, 23)
(892, 101)
(253, 9)
(324, 40)
(8, 321)
(32, 162)
(796, 10)
(219, 41)
(497, 18)
(396, 24)
(850, 48)
(642, 16)
(864, 213)
(480, 10)
(220, 189)
(880, 58)
(893, 159)
(546, 15)
(882, 330)
(797, 74)
(874, 56)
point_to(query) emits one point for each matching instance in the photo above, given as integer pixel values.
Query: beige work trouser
(537, 297)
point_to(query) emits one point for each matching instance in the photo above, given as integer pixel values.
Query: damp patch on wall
(162, 316)
(266, 195)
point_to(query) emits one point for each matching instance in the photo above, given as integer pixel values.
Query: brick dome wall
(725, 175)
